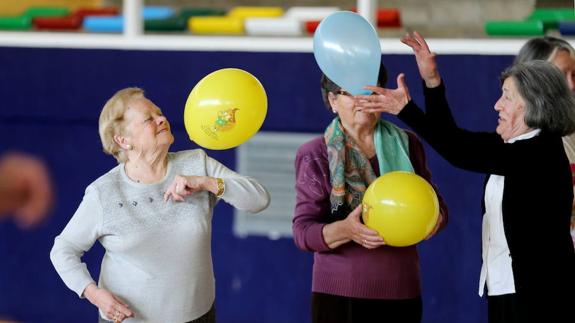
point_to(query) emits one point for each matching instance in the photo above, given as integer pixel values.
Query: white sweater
(158, 254)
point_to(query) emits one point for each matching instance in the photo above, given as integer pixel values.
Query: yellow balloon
(225, 109)
(402, 207)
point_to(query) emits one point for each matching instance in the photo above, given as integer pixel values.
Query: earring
(129, 147)
(333, 110)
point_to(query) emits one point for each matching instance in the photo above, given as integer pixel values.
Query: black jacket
(537, 201)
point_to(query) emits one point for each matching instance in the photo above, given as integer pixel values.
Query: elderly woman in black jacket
(528, 257)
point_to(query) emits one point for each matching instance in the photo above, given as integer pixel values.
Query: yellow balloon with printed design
(225, 109)
(402, 207)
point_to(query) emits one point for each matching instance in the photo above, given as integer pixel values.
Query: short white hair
(111, 121)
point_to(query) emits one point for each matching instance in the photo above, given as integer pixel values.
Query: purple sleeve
(418, 160)
(312, 197)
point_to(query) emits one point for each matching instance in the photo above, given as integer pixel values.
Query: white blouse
(496, 270)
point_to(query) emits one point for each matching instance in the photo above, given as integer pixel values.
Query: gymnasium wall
(50, 102)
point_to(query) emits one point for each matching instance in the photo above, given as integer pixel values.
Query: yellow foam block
(9, 8)
(216, 25)
(249, 12)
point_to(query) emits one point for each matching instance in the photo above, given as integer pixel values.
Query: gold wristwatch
(221, 187)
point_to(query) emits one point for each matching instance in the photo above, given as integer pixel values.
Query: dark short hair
(542, 48)
(549, 103)
(328, 85)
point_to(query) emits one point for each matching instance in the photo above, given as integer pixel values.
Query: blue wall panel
(51, 99)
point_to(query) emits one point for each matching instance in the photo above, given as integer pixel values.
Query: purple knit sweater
(350, 269)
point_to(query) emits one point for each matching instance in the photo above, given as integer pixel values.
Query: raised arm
(462, 148)
(392, 101)
(424, 57)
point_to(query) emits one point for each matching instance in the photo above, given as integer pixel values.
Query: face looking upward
(146, 127)
(511, 108)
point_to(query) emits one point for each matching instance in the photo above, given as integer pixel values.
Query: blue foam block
(115, 24)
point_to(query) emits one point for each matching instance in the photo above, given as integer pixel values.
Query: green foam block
(169, 24)
(552, 17)
(46, 12)
(15, 23)
(201, 12)
(515, 28)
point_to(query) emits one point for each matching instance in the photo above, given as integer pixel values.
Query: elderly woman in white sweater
(152, 213)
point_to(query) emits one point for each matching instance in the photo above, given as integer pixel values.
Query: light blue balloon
(346, 48)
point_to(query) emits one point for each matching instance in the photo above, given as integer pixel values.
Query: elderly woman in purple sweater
(356, 276)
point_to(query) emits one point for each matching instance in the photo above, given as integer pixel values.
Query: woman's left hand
(183, 186)
(385, 100)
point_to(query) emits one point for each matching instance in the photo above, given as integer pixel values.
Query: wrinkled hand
(183, 186)
(113, 307)
(360, 233)
(26, 188)
(385, 100)
(424, 57)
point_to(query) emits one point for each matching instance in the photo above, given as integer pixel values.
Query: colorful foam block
(386, 17)
(73, 21)
(57, 23)
(551, 17)
(311, 26)
(201, 12)
(216, 25)
(157, 12)
(15, 23)
(115, 24)
(169, 24)
(515, 28)
(250, 12)
(33, 12)
(104, 11)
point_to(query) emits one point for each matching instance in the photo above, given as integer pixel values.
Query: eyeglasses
(345, 93)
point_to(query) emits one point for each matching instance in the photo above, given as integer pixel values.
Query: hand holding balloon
(338, 233)
(402, 207)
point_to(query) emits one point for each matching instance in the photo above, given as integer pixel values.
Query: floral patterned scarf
(350, 170)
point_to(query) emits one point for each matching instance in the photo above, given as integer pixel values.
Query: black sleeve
(474, 151)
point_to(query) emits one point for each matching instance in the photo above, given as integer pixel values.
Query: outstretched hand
(385, 100)
(424, 57)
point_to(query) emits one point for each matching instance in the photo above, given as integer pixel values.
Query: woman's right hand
(424, 57)
(390, 101)
(359, 232)
(113, 307)
(351, 229)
